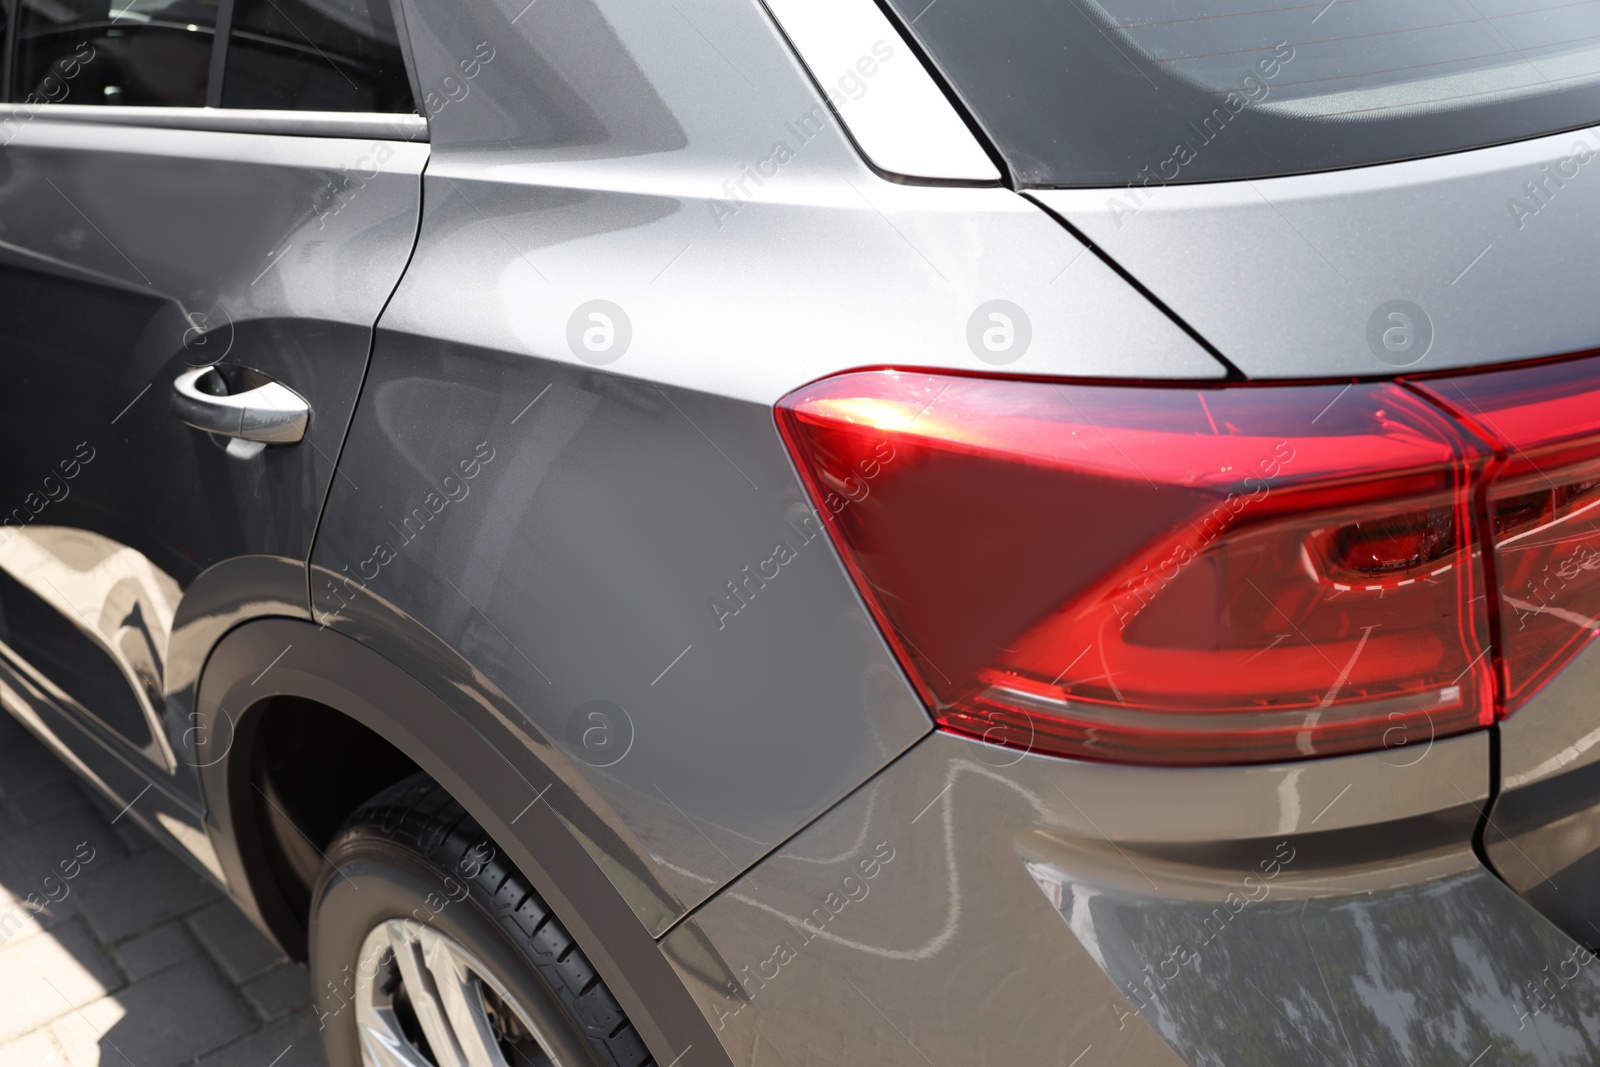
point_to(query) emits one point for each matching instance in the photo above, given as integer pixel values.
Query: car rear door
(187, 216)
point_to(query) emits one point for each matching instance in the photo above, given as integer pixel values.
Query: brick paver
(143, 962)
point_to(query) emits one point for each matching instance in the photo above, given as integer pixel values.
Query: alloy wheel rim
(423, 1000)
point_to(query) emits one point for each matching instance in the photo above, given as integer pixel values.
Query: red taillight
(1544, 508)
(1160, 575)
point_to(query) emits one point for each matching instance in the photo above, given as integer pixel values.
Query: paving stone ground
(142, 963)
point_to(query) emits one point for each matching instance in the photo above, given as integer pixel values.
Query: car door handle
(268, 413)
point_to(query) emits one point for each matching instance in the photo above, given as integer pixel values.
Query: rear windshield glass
(1099, 92)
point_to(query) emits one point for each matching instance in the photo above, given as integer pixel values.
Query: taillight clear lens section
(1544, 509)
(1160, 575)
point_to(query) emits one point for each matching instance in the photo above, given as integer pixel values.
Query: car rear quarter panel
(531, 529)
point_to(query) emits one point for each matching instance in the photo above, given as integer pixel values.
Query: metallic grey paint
(1543, 834)
(1284, 275)
(611, 171)
(102, 760)
(584, 565)
(524, 534)
(578, 565)
(128, 255)
(1014, 920)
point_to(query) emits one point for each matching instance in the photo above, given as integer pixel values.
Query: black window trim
(13, 26)
(378, 126)
(219, 52)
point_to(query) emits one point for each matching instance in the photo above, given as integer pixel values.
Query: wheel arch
(350, 681)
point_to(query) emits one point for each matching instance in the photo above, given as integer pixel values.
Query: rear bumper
(1544, 832)
(973, 905)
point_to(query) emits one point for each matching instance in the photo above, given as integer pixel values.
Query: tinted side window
(133, 52)
(315, 55)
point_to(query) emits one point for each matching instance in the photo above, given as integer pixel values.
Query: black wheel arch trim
(318, 664)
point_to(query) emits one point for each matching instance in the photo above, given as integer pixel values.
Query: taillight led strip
(1214, 574)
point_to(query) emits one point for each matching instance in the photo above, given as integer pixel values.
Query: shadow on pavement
(113, 952)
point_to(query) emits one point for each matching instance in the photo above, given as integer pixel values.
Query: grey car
(711, 532)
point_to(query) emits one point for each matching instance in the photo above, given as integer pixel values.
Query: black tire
(402, 853)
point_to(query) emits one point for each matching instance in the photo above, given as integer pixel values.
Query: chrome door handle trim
(271, 414)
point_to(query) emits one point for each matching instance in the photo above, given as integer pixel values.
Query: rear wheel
(429, 949)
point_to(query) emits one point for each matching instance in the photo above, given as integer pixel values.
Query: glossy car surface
(542, 539)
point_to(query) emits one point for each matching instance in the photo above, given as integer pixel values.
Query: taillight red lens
(1544, 507)
(1160, 575)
